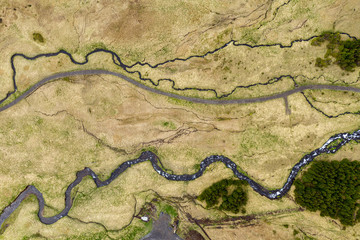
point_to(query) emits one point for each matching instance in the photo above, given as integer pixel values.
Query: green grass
(87, 236)
(180, 102)
(169, 124)
(196, 167)
(91, 47)
(12, 218)
(67, 79)
(150, 148)
(136, 232)
(333, 145)
(170, 210)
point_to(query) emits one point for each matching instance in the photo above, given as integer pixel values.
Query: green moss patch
(170, 210)
(169, 124)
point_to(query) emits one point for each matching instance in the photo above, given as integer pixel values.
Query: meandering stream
(331, 146)
(328, 147)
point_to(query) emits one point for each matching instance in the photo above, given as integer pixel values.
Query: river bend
(330, 146)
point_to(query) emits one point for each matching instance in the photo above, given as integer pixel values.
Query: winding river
(330, 146)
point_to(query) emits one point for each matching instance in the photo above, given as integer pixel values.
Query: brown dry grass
(43, 141)
(242, 66)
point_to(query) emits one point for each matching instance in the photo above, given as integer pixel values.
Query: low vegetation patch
(169, 124)
(231, 192)
(346, 53)
(37, 37)
(333, 188)
(170, 210)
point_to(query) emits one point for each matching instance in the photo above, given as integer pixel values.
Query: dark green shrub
(333, 188)
(37, 37)
(232, 201)
(346, 53)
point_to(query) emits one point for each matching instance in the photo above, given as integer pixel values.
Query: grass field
(101, 121)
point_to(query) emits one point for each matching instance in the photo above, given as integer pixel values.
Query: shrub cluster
(333, 188)
(346, 53)
(232, 201)
(37, 37)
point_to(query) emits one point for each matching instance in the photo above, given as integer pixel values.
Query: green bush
(37, 37)
(319, 62)
(232, 201)
(346, 53)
